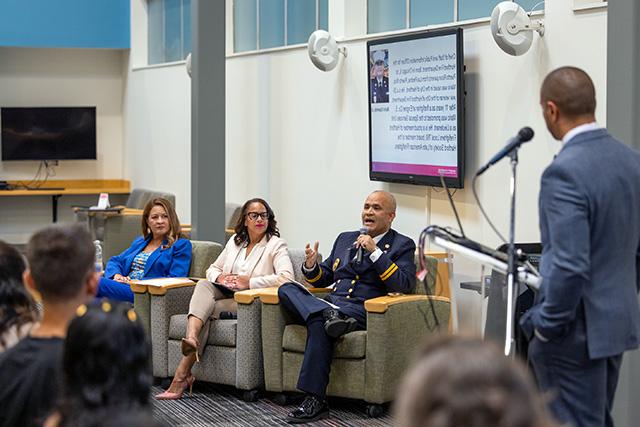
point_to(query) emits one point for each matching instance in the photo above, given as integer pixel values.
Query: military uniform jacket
(380, 92)
(393, 271)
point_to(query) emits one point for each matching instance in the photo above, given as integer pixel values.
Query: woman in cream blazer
(254, 257)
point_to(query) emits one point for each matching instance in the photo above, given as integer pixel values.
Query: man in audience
(586, 313)
(61, 270)
(362, 265)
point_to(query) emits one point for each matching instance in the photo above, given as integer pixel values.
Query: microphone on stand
(360, 249)
(524, 135)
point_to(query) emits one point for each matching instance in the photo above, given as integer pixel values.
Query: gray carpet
(213, 405)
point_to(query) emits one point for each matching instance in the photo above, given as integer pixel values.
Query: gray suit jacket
(590, 231)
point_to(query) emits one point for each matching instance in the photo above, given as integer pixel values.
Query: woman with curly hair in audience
(18, 312)
(106, 368)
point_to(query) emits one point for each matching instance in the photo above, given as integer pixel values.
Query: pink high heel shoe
(184, 384)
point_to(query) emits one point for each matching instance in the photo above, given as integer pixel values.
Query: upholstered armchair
(367, 365)
(119, 232)
(233, 355)
(155, 306)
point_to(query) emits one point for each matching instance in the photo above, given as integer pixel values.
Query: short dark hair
(572, 90)
(16, 304)
(60, 260)
(242, 235)
(105, 364)
(467, 382)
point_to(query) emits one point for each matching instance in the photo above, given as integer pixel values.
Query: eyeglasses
(254, 215)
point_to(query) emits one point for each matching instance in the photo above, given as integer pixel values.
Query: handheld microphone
(524, 135)
(360, 250)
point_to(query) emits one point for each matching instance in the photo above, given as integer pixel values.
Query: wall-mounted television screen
(416, 108)
(48, 133)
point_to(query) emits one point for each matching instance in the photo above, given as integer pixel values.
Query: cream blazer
(267, 260)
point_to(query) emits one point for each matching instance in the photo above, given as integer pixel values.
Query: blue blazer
(163, 262)
(394, 271)
(590, 231)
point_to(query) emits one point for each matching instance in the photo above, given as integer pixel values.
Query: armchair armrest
(138, 288)
(160, 286)
(382, 304)
(270, 295)
(249, 295)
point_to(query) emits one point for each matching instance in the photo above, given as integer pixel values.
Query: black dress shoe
(337, 324)
(312, 409)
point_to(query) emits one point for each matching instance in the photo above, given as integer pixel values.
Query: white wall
(157, 115)
(157, 153)
(61, 77)
(298, 136)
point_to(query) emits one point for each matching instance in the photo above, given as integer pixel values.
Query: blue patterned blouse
(137, 267)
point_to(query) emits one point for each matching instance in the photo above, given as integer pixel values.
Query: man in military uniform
(387, 265)
(379, 82)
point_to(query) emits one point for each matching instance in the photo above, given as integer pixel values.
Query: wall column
(208, 120)
(623, 110)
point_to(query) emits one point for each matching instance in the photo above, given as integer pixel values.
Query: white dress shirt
(587, 127)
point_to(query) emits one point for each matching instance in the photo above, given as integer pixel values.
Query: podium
(501, 307)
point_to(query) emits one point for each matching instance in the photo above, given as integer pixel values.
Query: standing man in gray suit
(586, 314)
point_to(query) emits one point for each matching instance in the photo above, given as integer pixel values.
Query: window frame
(285, 24)
(163, 35)
(456, 16)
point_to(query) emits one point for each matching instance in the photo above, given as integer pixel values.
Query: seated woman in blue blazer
(159, 252)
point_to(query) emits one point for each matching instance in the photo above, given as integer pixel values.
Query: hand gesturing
(311, 255)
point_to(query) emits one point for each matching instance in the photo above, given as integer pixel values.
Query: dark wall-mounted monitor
(48, 133)
(416, 108)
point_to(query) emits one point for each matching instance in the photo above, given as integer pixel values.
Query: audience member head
(106, 364)
(16, 304)
(61, 264)
(378, 212)
(253, 218)
(568, 99)
(467, 382)
(160, 220)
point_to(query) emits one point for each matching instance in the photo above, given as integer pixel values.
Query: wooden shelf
(72, 186)
(69, 187)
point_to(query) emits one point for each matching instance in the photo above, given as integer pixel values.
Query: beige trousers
(207, 302)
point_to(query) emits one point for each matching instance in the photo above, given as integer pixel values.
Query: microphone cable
(423, 267)
(484, 214)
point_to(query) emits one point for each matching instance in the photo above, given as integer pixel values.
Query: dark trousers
(580, 389)
(306, 310)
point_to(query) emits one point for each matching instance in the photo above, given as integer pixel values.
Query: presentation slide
(414, 107)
